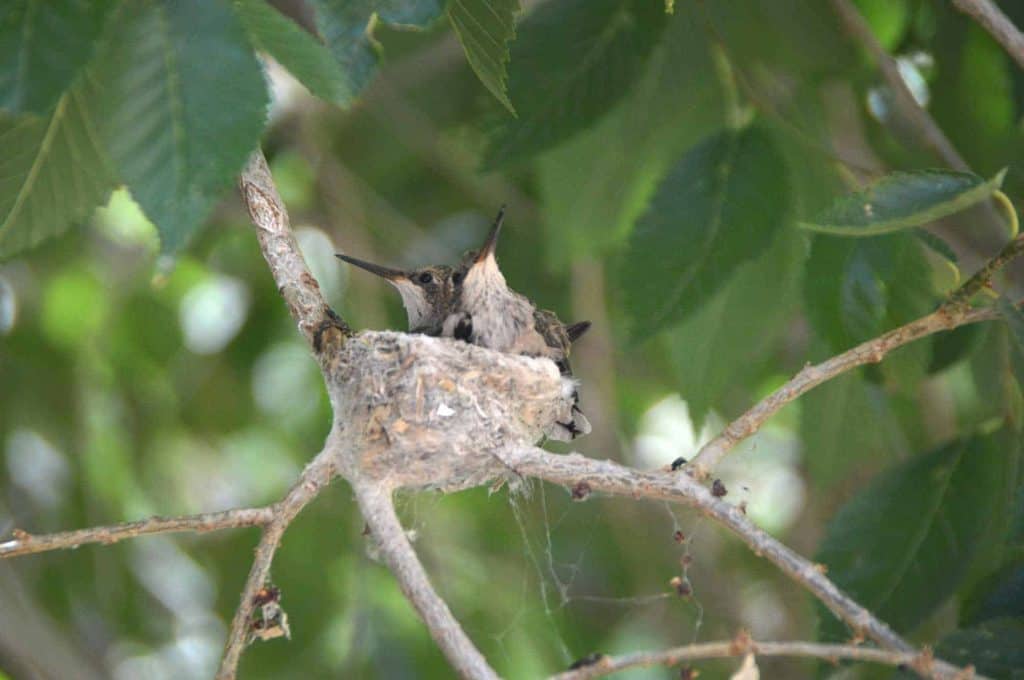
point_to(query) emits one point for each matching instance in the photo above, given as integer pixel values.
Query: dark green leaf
(903, 200)
(952, 346)
(724, 340)
(718, 207)
(995, 648)
(1014, 319)
(1001, 595)
(43, 45)
(905, 543)
(789, 36)
(856, 289)
(832, 430)
(997, 375)
(570, 63)
(936, 244)
(177, 129)
(298, 51)
(347, 28)
(52, 171)
(485, 29)
(595, 185)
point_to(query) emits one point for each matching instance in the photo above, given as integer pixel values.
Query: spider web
(556, 578)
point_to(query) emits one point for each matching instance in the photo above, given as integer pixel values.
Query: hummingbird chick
(426, 293)
(488, 313)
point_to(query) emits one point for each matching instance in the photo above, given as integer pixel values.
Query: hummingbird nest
(419, 412)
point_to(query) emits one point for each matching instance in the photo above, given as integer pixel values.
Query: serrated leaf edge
(961, 202)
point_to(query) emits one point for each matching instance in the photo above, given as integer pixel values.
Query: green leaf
(937, 245)
(43, 45)
(904, 544)
(950, 347)
(295, 49)
(485, 29)
(571, 62)
(52, 171)
(184, 103)
(1001, 595)
(726, 339)
(347, 28)
(1014, 319)
(995, 648)
(802, 37)
(594, 186)
(903, 200)
(832, 418)
(719, 206)
(856, 289)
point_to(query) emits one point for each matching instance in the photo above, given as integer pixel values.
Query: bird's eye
(457, 277)
(425, 277)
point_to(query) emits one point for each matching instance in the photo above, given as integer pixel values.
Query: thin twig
(962, 296)
(386, 531)
(581, 473)
(929, 131)
(992, 19)
(314, 478)
(25, 543)
(741, 646)
(872, 351)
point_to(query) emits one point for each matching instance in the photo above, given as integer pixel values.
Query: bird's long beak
(392, 275)
(491, 244)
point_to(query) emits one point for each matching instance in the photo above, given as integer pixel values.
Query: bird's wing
(553, 331)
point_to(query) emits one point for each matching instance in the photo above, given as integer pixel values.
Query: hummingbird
(486, 312)
(426, 292)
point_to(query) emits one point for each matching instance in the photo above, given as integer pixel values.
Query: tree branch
(386, 530)
(931, 135)
(25, 543)
(300, 290)
(314, 478)
(584, 475)
(743, 645)
(872, 351)
(992, 19)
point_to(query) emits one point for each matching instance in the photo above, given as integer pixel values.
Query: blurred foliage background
(148, 366)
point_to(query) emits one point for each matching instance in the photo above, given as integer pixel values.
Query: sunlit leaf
(52, 171)
(32, 75)
(571, 62)
(347, 28)
(903, 200)
(178, 128)
(903, 545)
(298, 51)
(485, 29)
(719, 206)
